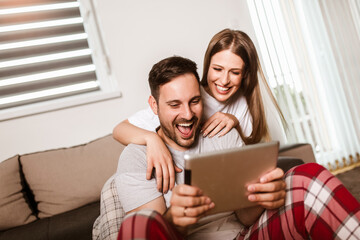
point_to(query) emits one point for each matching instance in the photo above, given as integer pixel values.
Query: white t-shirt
(146, 118)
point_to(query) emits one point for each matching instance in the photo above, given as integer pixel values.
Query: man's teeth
(185, 124)
(222, 88)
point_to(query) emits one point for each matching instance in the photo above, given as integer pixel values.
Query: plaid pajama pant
(317, 206)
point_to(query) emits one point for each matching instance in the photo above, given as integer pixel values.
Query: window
(309, 54)
(51, 56)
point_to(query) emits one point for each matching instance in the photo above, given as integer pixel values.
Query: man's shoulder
(135, 147)
(134, 150)
(232, 136)
(229, 140)
(133, 156)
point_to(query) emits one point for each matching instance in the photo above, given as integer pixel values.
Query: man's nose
(187, 113)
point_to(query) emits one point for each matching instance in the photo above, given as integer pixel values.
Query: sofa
(55, 194)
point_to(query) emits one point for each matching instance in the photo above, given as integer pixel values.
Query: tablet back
(224, 175)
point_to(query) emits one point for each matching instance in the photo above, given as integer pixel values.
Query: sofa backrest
(59, 180)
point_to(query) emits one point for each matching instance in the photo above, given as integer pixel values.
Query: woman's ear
(153, 104)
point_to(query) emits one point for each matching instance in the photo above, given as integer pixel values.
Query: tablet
(224, 175)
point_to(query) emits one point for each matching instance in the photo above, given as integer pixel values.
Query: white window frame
(109, 87)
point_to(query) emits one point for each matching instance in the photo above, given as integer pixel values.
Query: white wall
(137, 34)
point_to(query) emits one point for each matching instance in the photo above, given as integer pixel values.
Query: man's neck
(170, 142)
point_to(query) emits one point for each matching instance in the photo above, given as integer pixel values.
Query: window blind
(44, 52)
(312, 64)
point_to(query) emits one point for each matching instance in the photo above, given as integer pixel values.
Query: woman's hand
(159, 157)
(270, 192)
(188, 205)
(223, 122)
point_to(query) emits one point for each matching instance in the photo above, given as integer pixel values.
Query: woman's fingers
(159, 178)
(219, 123)
(172, 177)
(177, 169)
(159, 157)
(217, 129)
(225, 130)
(208, 128)
(149, 170)
(165, 178)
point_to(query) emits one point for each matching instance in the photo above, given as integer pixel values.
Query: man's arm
(188, 204)
(158, 204)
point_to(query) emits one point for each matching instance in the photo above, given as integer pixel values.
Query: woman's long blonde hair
(240, 44)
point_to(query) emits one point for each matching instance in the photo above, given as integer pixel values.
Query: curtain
(310, 50)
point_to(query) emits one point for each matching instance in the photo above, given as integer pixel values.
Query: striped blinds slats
(44, 52)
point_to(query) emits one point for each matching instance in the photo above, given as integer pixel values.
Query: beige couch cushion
(65, 179)
(14, 211)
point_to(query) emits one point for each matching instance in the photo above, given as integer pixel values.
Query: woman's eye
(217, 69)
(236, 73)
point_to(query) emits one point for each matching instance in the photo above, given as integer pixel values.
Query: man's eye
(195, 101)
(174, 105)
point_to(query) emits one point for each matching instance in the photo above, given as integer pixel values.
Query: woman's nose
(224, 80)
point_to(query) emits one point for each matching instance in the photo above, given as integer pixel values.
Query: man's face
(179, 110)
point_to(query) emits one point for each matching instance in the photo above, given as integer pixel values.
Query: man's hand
(188, 204)
(219, 122)
(159, 157)
(270, 192)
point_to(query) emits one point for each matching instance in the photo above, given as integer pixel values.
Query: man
(176, 100)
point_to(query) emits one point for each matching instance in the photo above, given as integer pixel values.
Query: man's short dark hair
(168, 69)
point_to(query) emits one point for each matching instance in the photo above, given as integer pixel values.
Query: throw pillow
(65, 179)
(14, 211)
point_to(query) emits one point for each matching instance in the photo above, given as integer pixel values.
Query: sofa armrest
(301, 151)
(285, 163)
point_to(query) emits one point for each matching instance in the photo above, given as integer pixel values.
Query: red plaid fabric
(317, 206)
(147, 224)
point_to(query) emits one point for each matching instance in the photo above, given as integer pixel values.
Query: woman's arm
(158, 155)
(126, 133)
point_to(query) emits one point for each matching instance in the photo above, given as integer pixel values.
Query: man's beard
(171, 132)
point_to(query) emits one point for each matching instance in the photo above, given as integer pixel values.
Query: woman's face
(224, 75)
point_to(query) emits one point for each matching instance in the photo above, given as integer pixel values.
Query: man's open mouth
(186, 129)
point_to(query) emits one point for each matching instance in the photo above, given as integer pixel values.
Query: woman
(231, 96)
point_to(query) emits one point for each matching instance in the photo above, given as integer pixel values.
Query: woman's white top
(146, 118)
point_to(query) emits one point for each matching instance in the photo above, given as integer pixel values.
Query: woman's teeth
(222, 88)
